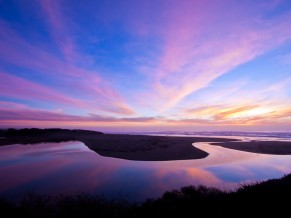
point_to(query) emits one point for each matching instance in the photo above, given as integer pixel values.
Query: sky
(146, 65)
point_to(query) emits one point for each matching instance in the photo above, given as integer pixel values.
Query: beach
(262, 147)
(142, 147)
(58, 172)
(130, 147)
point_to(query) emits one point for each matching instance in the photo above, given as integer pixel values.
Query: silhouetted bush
(265, 199)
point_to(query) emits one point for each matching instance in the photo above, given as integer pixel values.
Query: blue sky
(146, 65)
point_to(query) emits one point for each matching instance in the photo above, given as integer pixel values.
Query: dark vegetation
(35, 131)
(265, 199)
(35, 135)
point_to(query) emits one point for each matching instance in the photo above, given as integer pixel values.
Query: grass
(266, 199)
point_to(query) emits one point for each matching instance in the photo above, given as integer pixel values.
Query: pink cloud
(16, 50)
(12, 105)
(29, 114)
(201, 43)
(19, 115)
(37, 115)
(12, 86)
(13, 180)
(198, 43)
(59, 30)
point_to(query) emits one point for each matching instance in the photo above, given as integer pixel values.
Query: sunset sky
(138, 65)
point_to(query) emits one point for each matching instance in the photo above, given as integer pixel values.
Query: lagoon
(72, 168)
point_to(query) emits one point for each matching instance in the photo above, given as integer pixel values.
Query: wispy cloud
(59, 29)
(15, 87)
(12, 105)
(244, 115)
(237, 114)
(16, 50)
(196, 51)
(232, 112)
(18, 112)
(167, 64)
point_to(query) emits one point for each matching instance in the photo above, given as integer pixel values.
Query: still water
(72, 168)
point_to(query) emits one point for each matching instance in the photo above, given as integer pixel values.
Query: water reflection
(70, 167)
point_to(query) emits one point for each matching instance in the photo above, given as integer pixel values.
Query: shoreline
(141, 147)
(129, 147)
(260, 147)
(260, 199)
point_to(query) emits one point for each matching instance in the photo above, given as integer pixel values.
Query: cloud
(244, 115)
(29, 114)
(12, 105)
(17, 51)
(231, 112)
(173, 50)
(250, 114)
(200, 111)
(200, 44)
(59, 30)
(15, 87)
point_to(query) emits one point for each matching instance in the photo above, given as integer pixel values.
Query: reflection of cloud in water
(173, 178)
(44, 169)
(243, 167)
(70, 167)
(221, 155)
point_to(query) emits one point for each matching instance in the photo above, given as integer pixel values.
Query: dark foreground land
(266, 199)
(139, 147)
